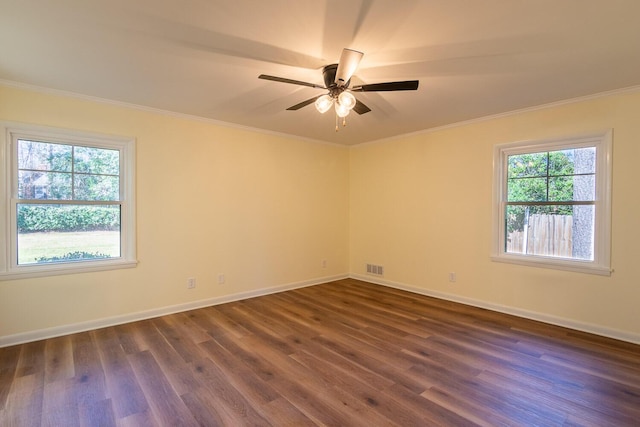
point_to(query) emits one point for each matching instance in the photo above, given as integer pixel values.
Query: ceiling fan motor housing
(329, 75)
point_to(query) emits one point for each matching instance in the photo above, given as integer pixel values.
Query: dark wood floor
(343, 353)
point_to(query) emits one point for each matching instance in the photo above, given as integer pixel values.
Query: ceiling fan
(336, 80)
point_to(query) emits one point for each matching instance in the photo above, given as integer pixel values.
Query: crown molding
(599, 95)
(168, 113)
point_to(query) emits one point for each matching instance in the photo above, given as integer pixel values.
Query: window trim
(601, 264)
(10, 132)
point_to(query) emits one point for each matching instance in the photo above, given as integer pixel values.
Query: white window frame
(9, 134)
(601, 264)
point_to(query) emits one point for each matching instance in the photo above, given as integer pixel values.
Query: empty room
(345, 213)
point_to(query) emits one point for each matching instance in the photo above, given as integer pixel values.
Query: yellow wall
(264, 210)
(421, 207)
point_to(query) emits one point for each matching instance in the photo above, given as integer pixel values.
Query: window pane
(570, 162)
(44, 185)
(96, 187)
(96, 161)
(527, 190)
(561, 162)
(527, 165)
(561, 189)
(584, 188)
(579, 188)
(66, 233)
(44, 156)
(555, 230)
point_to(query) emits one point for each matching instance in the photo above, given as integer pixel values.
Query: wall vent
(378, 270)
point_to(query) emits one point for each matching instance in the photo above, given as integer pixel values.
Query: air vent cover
(377, 270)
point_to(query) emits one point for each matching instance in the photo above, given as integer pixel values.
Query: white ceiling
(473, 58)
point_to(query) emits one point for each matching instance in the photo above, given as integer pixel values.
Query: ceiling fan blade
(303, 103)
(360, 108)
(290, 81)
(200, 38)
(349, 61)
(387, 87)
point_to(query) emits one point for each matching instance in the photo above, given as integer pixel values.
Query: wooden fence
(550, 235)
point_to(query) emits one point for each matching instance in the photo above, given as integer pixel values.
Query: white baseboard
(542, 317)
(57, 331)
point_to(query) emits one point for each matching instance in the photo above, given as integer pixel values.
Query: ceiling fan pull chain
(337, 123)
(344, 121)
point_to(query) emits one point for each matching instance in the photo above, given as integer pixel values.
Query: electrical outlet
(452, 277)
(191, 283)
(221, 279)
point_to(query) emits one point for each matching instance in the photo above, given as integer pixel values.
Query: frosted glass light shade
(347, 100)
(324, 103)
(341, 110)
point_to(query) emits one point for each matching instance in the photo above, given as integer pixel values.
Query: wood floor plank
(8, 366)
(242, 378)
(230, 399)
(344, 353)
(246, 320)
(90, 384)
(122, 387)
(469, 409)
(339, 364)
(166, 406)
(130, 337)
(206, 409)
(206, 321)
(59, 405)
(24, 404)
(182, 345)
(377, 365)
(223, 323)
(354, 392)
(171, 362)
(98, 413)
(189, 329)
(58, 359)
(139, 419)
(32, 358)
(429, 412)
(281, 412)
(561, 403)
(306, 391)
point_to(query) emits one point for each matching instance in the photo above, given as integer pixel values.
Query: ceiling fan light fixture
(341, 110)
(323, 103)
(337, 79)
(347, 100)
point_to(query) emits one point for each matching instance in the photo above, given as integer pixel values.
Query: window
(67, 202)
(552, 203)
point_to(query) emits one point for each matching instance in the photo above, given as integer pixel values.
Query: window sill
(27, 272)
(554, 263)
